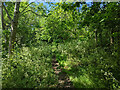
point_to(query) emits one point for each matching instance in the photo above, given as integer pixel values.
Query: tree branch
(34, 13)
(7, 13)
(26, 7)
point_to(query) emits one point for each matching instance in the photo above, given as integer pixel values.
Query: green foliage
(59, 25)
(31, 68)
(85, 42)
(87, 66)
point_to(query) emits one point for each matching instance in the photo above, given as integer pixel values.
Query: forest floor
(63, 79)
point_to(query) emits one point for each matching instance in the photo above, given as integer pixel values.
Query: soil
(63, 79)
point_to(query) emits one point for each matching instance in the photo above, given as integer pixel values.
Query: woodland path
(63, 79)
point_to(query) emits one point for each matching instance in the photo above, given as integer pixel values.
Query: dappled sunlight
(32, 66)
(84, 80)
(60, 45)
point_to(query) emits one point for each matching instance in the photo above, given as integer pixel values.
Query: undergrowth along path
(63, 79)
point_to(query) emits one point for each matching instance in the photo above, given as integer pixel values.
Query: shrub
(30, 68)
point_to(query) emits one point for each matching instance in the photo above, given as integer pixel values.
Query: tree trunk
(118, 37)
(3, 24)
(100, 36)
(4, 28)
(14, 25)
(96, 37)
(111, 37)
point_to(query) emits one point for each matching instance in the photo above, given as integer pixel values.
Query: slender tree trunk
(3, 24)
(0, 46)
(1, 13)
(111, 38)
(100, 36)
(96, 37)
(4, 28)
(0, 42)
(14, 25)
(118, 42)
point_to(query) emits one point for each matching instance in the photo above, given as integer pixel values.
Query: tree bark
(100, 36)
(3, 24)
(96, 37)
(4, 28)
(111, 37)
(14, 25)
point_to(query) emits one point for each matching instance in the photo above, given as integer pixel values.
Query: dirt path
(63, 80)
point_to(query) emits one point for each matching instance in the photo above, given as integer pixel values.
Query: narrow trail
(63, 79)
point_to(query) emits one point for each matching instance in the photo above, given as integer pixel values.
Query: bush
(31, 68)
(81, 59)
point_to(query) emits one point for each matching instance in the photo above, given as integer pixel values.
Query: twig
(34, 13)
(26, 7)
(7, 13)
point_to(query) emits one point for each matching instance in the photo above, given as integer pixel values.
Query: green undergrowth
(29, 68)
(87, 66)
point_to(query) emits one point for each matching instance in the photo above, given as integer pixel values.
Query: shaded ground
(63, 79)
